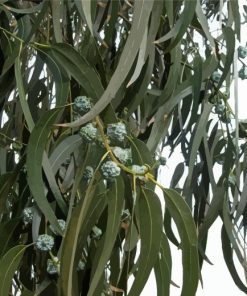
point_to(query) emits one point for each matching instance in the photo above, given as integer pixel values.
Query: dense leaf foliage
(95, 96)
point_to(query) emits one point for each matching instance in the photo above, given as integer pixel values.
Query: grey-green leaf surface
(182, 216)
(142, 10)
(163, 267)
(115, 199)
(35, 150)
(181, 26)
(150, 235)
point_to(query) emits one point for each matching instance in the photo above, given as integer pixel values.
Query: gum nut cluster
(96, 232)
(242, 52)
(117, 131)
(27, 215)
(45, 242)
(243, 73)
(88, 132)
(124, 155)
(216, 76)
(82, 105)
(88, 173)
(81, 265)
(62, 225)
(110, 169)
(53, 266)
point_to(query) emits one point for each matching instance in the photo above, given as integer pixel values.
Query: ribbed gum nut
(117, 131)
(110, 169)
(88, 173)
(139, 170)
(81, 265)
(243, 73)
(219, 108)
(27, 215)
(88, 132)
(82, 104)
(216, 76)
(124, 155)
(62, 225)
(163, 160)
(96, 232)
(242, 52)
(45, 242)
(53, 266)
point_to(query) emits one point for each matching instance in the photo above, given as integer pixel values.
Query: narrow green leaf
(142, 10)
(86, 7)
(236, 16)
(35, 150)
(228, 256)
(182, 216)
(177, 175)
(242, 201)
(59, 75)
(230, 47)
(140, 153)
(63, 151)
(200, 130)
(78, 67)
(140, 60)
(163, 267)
(181, 26)
(56, 7)
(150, 234)
(22, 94)
(204, 23)
(6, 234)
(53, 183)
(72, 237)
(115, 199)
(168, 228)
(30, 10)
(9, 265)
(196, 88)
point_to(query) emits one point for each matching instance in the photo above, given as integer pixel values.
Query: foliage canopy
(93, 96)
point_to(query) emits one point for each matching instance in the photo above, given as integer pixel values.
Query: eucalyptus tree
(95, 96)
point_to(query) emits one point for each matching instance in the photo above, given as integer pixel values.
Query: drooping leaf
(22, 94)
(181, 215)
(228, 256)
(9, 264)
(163, 268)
(35, 150)
(63, 151)
(81, 215)
(6, 234)
(230, 47)
(150, 235)
(181, 25)
(78, 67)
(115, 206)
(142, 11)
